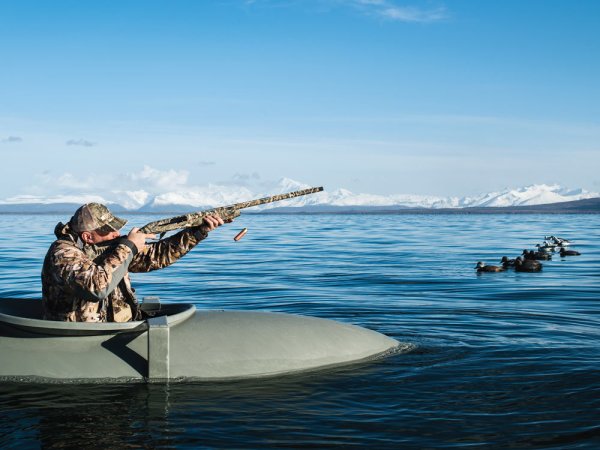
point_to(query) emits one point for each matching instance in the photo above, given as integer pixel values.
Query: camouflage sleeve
(166, 251)
(90, 280)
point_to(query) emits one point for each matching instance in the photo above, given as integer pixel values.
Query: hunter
(85, 276)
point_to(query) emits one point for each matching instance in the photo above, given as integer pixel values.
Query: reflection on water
(498, 360)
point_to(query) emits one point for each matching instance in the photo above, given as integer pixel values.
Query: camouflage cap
(93, 216)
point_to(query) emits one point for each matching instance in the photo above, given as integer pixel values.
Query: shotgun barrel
(226, 212)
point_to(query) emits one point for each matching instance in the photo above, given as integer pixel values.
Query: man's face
(98, 236)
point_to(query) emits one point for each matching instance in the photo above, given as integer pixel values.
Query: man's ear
(86, 237)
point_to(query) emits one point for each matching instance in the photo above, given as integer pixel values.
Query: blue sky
(376, 96)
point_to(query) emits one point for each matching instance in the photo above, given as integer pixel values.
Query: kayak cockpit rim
(25, 314)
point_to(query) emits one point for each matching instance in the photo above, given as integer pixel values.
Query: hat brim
(114, 225)
(117, 223)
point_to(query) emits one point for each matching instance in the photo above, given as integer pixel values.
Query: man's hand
(211, 222)
(139, 239)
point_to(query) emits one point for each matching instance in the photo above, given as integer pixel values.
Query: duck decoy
(526, 255)
(546, 247)
(507, 263)
(481, 267)
(564, 252)
(527, 265)
(540, 256)
(558, 241)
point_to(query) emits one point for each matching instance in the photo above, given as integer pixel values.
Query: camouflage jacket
(90, 283)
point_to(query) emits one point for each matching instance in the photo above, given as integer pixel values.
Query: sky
(375, 96)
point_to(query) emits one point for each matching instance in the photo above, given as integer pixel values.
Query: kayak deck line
(26, 314)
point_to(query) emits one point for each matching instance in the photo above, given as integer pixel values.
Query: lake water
(497, 360)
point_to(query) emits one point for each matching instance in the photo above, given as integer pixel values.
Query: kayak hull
(185, 345)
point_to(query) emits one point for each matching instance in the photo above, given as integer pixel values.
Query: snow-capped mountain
(185, 198)
(536, 194)
(531, 195)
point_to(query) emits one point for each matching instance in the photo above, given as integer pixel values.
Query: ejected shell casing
(240, 234)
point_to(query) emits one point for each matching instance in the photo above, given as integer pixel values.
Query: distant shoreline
(585, 206)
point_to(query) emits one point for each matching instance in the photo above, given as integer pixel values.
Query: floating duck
(558, 241)
(564, 252)
(531, 255)
(481, 267)
(527, 265)
(506, 263)
(546, 247)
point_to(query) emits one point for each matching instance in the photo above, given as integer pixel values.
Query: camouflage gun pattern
(226, 212)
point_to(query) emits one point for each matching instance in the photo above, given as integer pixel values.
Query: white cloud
(158, 180)
(131, 190)
(130, 199)
(70, 182)
(246, 178)
(371, 2)
(150, 185)
(159, 188)
(50, 199)
(80, 142)
(386, 9)
(411, 14)
(12, 139)
(391, 10)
